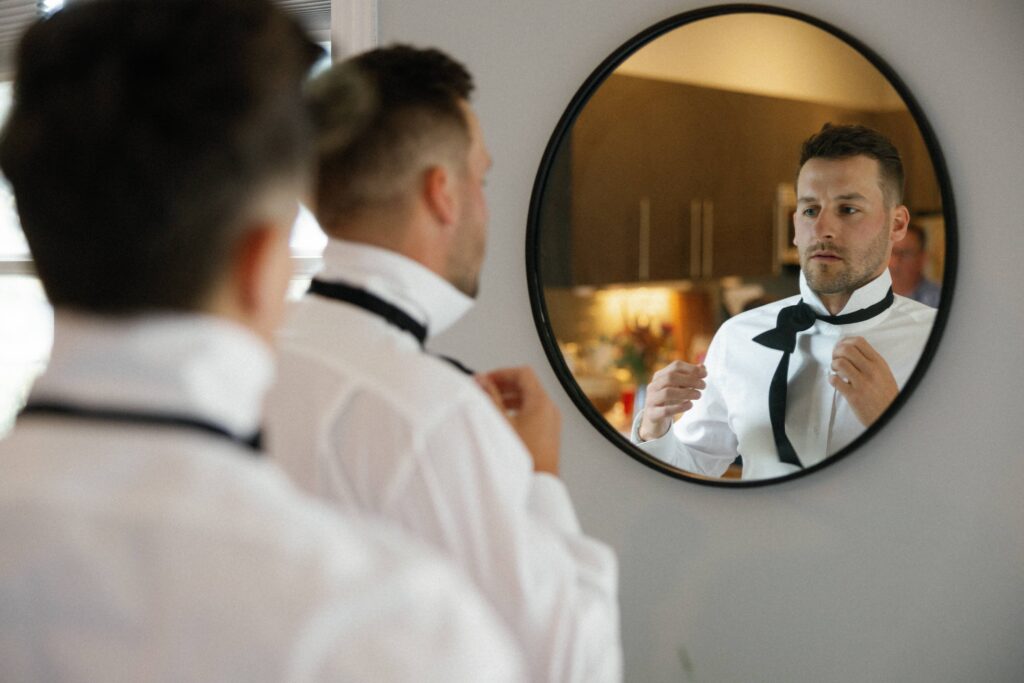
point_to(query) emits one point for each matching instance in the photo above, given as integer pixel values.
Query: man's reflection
(788, 384)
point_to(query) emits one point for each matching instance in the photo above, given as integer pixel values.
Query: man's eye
(810, 211)
(848, 210)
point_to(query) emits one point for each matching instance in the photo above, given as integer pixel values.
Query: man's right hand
(518, 394)
(672, 391)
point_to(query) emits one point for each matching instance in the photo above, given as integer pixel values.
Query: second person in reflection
(788, 384)
(366, 418)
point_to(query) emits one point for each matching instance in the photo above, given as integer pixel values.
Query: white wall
(905, 562)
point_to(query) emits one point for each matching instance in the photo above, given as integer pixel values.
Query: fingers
(680, 395)
(513, 379)
(863, 378)
(656, 414)
(854, 359)
(843, 386)
(531, 413)
(520, 389)
(679, 374)
(514, 385)
(491, 389)
(671, 398)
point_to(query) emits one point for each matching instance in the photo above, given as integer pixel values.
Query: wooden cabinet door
(678, 180)
(632, 170)
(609, 176)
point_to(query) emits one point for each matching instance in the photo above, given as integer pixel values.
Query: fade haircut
(840, 142)
(382, 118)
(142, 134)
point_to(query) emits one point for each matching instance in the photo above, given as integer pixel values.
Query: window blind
(315, 16)
(15, 17)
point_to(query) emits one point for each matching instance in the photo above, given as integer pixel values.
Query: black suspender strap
(66, 410)
(374, 304)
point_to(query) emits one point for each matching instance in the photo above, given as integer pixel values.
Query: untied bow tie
(791, 321)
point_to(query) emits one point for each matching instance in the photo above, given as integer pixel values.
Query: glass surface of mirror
(664, 229)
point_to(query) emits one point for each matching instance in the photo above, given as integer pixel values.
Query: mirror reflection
(674, 229)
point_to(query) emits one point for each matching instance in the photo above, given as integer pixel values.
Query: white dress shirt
(731, 417)
(136, 552)
(364, 417)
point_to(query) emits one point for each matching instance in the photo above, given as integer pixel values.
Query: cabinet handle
(708, 239)
(644, 266)
(696, 227)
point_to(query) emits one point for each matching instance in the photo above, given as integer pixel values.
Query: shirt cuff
(634, 434)
(662, 448)
(550, 499)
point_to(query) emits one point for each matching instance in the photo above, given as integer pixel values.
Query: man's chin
(469, 288)
(825, 281)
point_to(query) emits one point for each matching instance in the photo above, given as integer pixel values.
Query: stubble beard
(848, 275)
(464, 266)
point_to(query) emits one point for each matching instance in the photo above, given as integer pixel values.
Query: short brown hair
(141, 133)
(839, 142)
(382, 117)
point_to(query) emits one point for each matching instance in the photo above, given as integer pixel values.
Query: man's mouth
(825, 256)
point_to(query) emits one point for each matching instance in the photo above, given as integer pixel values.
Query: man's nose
(825, 226)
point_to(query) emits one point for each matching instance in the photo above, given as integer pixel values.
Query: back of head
(382, 118)
(840, 142)
(141, 133)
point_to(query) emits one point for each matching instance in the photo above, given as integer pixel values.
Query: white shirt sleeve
(472, 492)
(700, 441)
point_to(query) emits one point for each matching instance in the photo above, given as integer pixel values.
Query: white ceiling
(766, 55)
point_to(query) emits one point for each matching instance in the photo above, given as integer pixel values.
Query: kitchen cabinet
(633, 177)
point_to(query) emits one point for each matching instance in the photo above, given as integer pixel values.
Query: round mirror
(674, 237)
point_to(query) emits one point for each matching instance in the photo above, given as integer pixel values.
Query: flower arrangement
(640, 347)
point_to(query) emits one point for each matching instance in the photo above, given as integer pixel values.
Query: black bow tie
(791, 321)
(374, 304)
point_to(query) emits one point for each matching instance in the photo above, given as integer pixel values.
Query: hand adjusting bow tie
(791, 321)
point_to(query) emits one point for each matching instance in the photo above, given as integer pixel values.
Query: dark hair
(141, 133)
(383, 117)
(838, 142)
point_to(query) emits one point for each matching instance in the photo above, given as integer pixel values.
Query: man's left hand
(863, 378)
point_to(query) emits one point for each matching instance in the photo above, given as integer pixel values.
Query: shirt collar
(868, 295)
(194, 365)
(399, 280)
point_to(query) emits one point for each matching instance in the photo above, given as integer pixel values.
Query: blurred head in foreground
(157, 151)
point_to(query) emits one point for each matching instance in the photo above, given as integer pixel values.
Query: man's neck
(834, 303)
(400, 229)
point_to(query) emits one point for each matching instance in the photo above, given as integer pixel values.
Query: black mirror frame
(536, 287)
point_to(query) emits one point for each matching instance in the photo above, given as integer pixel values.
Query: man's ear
(261, 275)
(439, 194)
(900, 222)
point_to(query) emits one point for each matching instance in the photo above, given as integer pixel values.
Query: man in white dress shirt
(789, 384)
(364, 416)
(156, 149)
